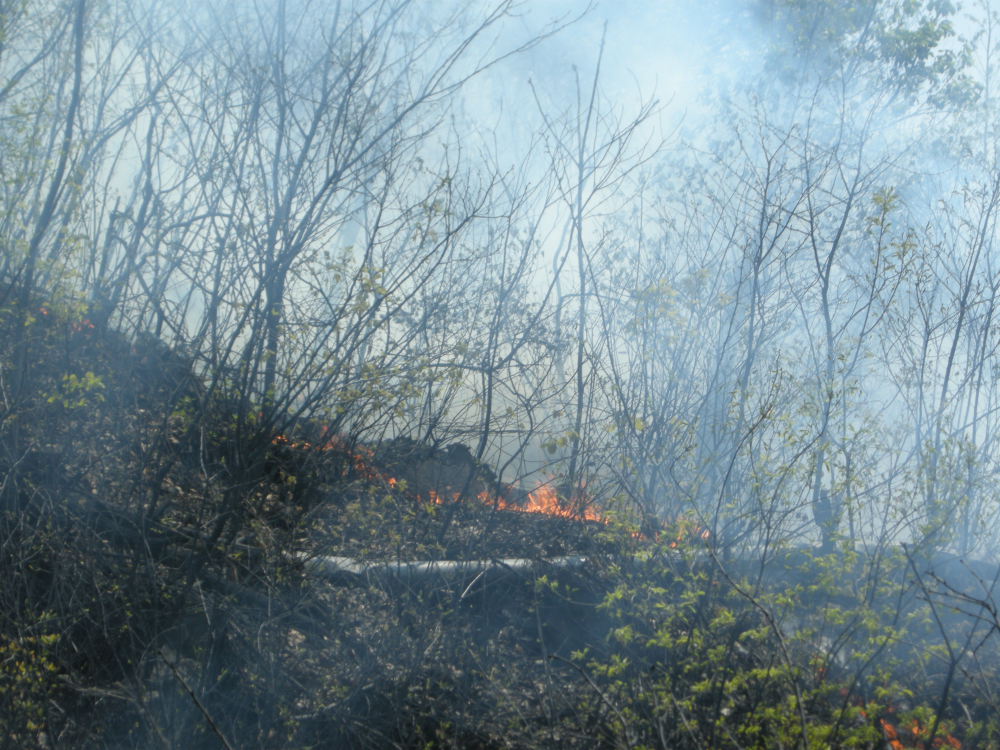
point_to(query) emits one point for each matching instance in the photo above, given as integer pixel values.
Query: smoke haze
(414, 374)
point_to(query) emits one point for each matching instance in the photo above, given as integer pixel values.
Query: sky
(676, 51)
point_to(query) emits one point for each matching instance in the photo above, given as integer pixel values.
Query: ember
(913, 736)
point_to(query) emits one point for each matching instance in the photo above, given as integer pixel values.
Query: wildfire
(543, 499)
(686, 530)
(912, 736)
(358, 460)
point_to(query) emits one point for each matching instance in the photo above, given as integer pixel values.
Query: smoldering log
(349, 571)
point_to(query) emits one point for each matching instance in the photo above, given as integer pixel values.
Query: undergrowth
(153, 595)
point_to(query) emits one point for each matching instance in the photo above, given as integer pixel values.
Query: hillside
(506, 374)
(153, 597)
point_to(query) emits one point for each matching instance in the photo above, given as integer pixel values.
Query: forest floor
(155, 596)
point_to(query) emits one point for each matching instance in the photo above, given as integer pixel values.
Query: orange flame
(916, 730)
(545, 500)
(685, 528)
(890, 734)
(357, 459)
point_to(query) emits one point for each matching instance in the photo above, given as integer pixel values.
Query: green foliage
(27, 677)
(911, 45)
(77, 393)
(822, 655)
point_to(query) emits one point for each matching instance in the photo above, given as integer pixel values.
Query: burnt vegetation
(323, 426)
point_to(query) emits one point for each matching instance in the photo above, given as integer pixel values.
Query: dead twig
(198, 703)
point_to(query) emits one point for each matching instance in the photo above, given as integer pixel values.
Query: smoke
(681, 287)
(686, 56)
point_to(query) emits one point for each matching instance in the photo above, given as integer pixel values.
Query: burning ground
(155, 597)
